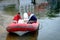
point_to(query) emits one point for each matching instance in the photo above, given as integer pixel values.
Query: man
(17, 17)
(32, 18)
(25, 15)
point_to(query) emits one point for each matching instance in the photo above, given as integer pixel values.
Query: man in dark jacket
(32, 18)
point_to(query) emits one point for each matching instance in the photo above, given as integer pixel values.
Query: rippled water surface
(49, 29)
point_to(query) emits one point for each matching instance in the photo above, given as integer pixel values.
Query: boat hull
(14, 27)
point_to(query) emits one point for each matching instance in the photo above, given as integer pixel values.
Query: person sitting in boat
(24, 20)
(25, 16)
(32, 18)
(17, 17)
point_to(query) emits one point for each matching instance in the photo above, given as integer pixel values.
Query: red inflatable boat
(14, 27)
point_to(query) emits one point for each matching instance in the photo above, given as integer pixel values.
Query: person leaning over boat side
(32, 18)
(17, 17)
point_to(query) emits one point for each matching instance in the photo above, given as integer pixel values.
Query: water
(6, 19)
(49, 29)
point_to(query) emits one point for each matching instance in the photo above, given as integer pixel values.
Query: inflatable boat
(15, 27)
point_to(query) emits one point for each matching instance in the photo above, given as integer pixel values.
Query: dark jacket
(32, 18)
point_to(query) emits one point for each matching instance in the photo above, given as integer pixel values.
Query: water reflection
(27, 36)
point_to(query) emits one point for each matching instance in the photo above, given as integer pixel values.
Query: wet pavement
(49, 29)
